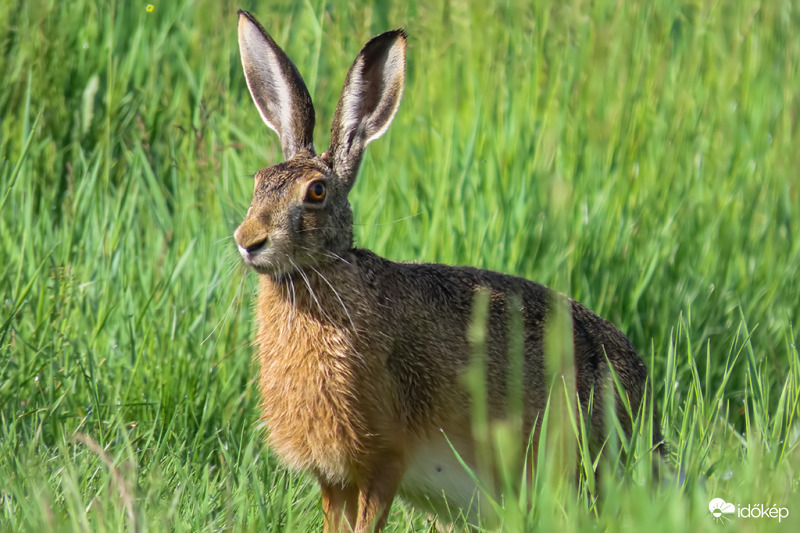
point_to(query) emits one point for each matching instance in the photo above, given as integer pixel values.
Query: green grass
(639, 156)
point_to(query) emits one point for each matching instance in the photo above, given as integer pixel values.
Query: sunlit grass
(640, 157)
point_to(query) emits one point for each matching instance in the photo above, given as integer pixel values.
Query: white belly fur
(435, 480)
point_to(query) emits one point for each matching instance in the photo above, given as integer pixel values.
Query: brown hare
(361, 358)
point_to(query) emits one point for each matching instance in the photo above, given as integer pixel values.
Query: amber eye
(316, 192)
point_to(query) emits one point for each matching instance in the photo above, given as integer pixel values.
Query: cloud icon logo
(718, 507)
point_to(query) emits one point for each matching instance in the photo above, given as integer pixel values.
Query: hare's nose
(254, 247)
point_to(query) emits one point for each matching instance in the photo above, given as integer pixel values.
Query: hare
(361, 358)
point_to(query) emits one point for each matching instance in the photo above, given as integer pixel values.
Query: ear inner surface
(277, 88)
(370, 98)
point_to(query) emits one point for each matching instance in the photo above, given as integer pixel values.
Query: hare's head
(299, 214)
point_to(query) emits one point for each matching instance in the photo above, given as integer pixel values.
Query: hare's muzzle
(250, 243)
(254, 248)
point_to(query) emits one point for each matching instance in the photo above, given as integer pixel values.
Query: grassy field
(641, 157)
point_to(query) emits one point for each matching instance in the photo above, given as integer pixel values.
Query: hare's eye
(316, 192)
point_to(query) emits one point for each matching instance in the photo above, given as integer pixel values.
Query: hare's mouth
(263, 265)
(268, 262)
(272, 270)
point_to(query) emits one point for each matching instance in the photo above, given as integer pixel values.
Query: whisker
(227, 311)
(360, 224)
(284, 291)
(391, 221)
(221, 239)
(338, 296)
(336, 256)
(294, 297)
(232, 266)
(324, 253)
(311, 290)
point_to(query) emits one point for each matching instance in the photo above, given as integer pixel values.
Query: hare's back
(428, 309)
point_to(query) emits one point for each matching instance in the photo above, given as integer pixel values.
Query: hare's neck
(322, 294)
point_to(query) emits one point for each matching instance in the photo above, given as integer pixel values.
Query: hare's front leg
(339, 501)
(376, 494)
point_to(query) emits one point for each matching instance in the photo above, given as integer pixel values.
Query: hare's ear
(276, 87)
(369, 101)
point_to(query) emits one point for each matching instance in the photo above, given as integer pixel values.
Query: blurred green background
(640, 157)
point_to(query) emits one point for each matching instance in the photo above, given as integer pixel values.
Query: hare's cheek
(310, 222)
(303, 225)
(295, 222)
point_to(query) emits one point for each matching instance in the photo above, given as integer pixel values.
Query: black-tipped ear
(277, 88)
(370, 97)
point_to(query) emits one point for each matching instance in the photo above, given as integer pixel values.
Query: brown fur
(362, 359)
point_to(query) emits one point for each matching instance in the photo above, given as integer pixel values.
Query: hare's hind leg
(337, 502)
(376, 493)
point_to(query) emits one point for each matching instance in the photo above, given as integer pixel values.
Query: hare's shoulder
(441, 291)
(448, 283)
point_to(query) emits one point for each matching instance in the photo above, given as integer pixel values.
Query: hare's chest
(310, 407)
